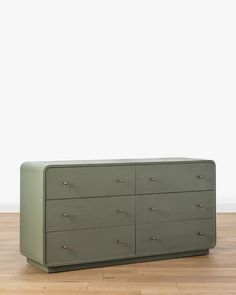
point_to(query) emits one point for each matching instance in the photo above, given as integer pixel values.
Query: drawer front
(89, 212)
(169, 237)
(175, 206)
(87, 245)
(175, 177)
(76, 182)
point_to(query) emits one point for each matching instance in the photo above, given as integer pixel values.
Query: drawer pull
(200, 205)
(153, 238)
(65, 183)
(65, 247)
(65, 214)
(120, 180)
(200, 234)
(200, 177)
(119, 242)
(120, 211)
(153, 179)
(153, 209)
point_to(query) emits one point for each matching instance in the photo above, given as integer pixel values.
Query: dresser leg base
(116, 262)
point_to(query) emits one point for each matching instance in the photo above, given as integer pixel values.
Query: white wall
(117, 79)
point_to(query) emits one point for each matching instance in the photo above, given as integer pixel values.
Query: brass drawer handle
(119, 242)
(120, 211)
(153, 238)
(153, 209)
(200, 234)
(119, 180)
(153, 179)
(65, 215)
(200, 205)
(200, 177)
(65, 247)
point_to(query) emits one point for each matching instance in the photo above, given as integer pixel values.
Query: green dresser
(80, 214)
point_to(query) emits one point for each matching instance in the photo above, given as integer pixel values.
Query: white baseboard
(14, 207)
(9, 207)
(226, 208)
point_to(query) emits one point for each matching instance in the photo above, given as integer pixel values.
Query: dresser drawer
(86, 245)
(72, 182)
(175, 177)
(89, 212)
(174, 206)
(168, 237)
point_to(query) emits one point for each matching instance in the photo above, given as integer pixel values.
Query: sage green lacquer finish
(87, 245)
(174, 206)
(74, 182)
(32, 212)
(80, 213)
(89, 212)
(175, 177)
(178, 236)
(135, 259)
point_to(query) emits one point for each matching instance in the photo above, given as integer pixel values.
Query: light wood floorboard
(210, 274)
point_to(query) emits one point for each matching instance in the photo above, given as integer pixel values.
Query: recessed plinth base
(116, 262)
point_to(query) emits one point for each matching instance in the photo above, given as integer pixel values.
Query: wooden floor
(211, 274)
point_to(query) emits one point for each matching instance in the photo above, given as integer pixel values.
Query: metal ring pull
(200, 177)
(65, 183)
(200, 234)
(153, 179)
(200, 205)
(65, 214)
(120, 211)
(119, 242)
(119, 180)
(65, 247)
(153, 209)
(153, 238)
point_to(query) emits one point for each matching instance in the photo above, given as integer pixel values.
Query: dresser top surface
(45, 164)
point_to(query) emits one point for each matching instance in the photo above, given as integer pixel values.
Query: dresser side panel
(32, 212)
